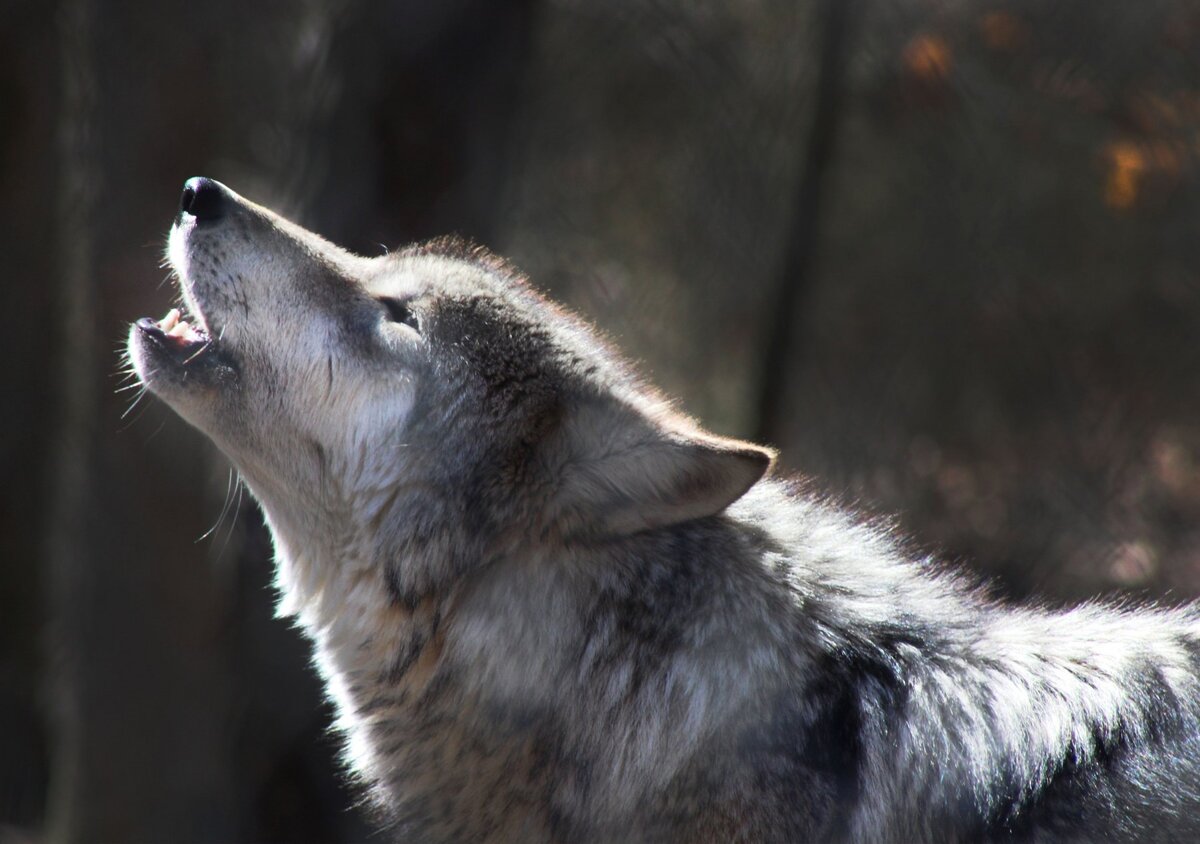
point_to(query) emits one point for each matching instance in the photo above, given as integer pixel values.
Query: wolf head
(424, 406)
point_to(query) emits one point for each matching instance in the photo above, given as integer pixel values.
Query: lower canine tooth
(169, 321)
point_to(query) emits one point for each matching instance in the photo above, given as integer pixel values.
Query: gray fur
(549, 608)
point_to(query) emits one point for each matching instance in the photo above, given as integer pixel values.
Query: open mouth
(176, 336)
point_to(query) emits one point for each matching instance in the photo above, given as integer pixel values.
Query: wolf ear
(627, 470)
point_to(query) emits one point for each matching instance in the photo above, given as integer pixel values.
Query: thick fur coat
(550, 608)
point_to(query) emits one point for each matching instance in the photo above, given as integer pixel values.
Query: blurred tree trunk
(795, 276)
(141, 748)
(68, 557)
(656, 162)
(28, 103)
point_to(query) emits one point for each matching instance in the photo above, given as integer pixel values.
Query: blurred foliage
(995, 339)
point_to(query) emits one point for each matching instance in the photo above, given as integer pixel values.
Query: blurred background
(944, 253)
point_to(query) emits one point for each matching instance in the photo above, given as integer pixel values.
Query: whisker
(134, 403)
(199, 352)
(161, 425)
(237, 511)
(141, 412)
(224, 509)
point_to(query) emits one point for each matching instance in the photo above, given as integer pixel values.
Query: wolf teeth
(173, 325)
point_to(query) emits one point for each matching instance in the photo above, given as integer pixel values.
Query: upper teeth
(175, 326)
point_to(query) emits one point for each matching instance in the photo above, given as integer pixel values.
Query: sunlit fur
(550, 608)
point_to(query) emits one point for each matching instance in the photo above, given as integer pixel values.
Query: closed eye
(398, 311)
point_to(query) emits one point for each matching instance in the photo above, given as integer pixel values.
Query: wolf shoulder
(788, 672)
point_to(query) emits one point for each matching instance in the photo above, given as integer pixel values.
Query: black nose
(203, 198)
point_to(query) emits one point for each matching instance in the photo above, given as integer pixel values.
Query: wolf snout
(205, 199)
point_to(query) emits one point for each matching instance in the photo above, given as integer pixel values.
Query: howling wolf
(549, 607)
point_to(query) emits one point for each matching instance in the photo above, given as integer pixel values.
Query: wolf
(549, 607)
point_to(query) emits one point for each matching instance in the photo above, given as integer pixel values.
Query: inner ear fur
(627, 470)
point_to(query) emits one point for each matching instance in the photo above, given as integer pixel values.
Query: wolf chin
(549, 607)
